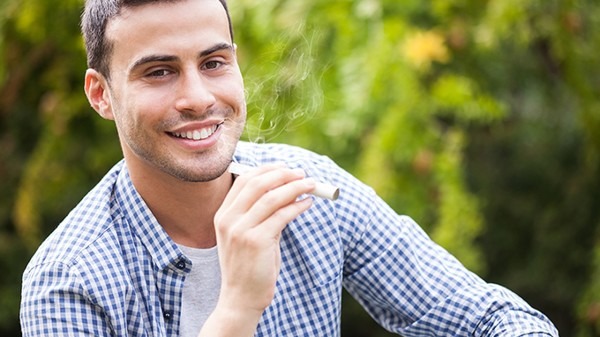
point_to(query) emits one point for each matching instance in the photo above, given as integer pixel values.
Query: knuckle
(219, 221)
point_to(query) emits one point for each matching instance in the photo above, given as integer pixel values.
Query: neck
(184, 209)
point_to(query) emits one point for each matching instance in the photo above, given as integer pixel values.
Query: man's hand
(248, 227)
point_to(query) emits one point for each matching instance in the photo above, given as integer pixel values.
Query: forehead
(165, 27)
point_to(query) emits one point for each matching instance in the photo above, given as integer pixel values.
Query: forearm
(426, 289)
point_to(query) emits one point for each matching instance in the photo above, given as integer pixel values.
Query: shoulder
(262, 153)
(354, 194)
(314, 164)
(89, 222)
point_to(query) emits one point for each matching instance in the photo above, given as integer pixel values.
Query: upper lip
(197, 126)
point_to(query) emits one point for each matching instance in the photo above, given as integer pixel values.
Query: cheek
(238, 96)
(130, 116)
(145, 107)
(232, 87)
(241, 99)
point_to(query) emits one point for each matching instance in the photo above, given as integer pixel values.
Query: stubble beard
(204, 166)
(199, 167)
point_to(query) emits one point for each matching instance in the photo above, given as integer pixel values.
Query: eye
(212, 65)
(157, 73)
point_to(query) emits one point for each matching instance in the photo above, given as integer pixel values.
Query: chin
(199, 174)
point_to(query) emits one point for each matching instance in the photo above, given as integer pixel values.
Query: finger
(241, 181)
(272, 226)
(277, 198)
(252, 187)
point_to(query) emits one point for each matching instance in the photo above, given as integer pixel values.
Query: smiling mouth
(199, 134)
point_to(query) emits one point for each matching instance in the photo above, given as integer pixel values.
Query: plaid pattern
(110, 269)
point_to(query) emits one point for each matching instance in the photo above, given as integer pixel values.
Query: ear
(96, 90)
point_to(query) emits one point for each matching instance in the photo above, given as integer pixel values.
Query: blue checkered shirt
(111, 270)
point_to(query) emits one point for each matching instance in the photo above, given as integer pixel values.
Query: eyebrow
(172, 58)
(216, 48)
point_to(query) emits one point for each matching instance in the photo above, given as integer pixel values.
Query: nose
(194, 93)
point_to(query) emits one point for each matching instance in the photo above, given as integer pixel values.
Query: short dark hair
(95, 18)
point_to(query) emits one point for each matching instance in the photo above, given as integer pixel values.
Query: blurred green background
(479, 118)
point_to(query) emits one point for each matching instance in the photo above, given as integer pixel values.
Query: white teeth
(197, 134)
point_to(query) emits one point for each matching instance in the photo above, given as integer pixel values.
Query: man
(170, 243)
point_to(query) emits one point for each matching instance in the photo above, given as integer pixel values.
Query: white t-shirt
(200, 290)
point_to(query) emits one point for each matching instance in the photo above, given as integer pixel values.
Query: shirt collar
(245, 154)
(137, 215)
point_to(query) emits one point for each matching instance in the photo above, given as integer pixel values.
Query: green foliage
(480, 119)
(589, 306)
(405, 90)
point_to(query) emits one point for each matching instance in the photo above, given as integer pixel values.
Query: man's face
(176, 91)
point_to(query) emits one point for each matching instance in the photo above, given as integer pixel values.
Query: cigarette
(322, 190)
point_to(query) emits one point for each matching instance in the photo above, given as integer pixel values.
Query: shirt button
(168, 315)
(180, 265)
